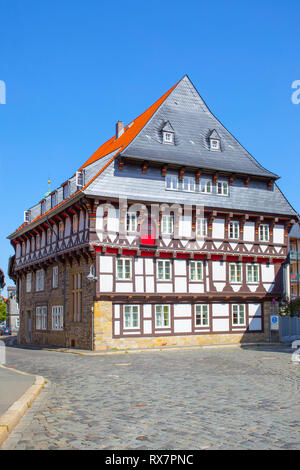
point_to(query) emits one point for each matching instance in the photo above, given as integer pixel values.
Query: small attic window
(214, 144)
(214, 140)
(168, 137)
(168, 133)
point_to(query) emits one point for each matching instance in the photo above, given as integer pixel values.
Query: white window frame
(171, 183)
(167, 224)
(188, 184)
(250, 269)
(28, 282)
(80, 178)
(214, 144)
(131, 222)
(55, 277)
(168, 137)
(206, 187)
(165, 271)
(202, 310)
(165, 309)
(222, 188)
(234, 230)
(198, 276)
(264, 233)
(41, 318)
(201, 227)
(237, 272)
(131, 310)
(39, 280)
(123, 263)
(239, 310)
(57, 319)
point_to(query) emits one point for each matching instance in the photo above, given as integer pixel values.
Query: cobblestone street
(194, 399)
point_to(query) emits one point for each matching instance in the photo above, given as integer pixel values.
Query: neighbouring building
(292, 266)
(170, 234)
(13, 317)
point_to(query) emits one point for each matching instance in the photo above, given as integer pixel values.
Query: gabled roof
(192, 121)
(167, 127)
(213, 134)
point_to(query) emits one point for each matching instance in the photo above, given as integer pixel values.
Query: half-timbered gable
(171, 233)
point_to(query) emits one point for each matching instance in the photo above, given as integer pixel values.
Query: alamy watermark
(2, 92)
(296, 94)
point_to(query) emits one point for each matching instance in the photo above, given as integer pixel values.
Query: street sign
(274, 322)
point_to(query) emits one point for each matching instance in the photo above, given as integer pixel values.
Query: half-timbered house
(170, 234)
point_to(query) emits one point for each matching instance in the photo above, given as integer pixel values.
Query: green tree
(3, 310)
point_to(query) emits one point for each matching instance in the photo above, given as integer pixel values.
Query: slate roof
(193, 123)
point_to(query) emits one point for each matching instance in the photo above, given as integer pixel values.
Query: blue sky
(73, 68)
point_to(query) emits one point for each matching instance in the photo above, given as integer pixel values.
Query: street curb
(16, 411)
(167, 349)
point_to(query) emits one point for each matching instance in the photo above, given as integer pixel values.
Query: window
(252, 273)
(55, 277)
(28, 282)
(264, 233)
(222, 188)
(49, 237)
(167, 224)
(235, 272)
(201, 315)
(201, 227)
(188, 184)
(164, 270)
(168, 137)
(214, 144)
(123, 268)
(238, 315)
(53, 200)
(80, 178)
(196, 271)
(162, 316)
(27, 216)
(39, 280)
(171, 182)
(77, 296)
(57, 318)
(61, 228)
(234, 230)
(75, 223)
(38, 242)
(66, 191)
(43, 207)
(131, 222)
(207, 187)
(131, 317)
(41, 318)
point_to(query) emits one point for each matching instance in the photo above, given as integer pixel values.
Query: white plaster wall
(249, 231)
(117, 327)
(182, 326)
(117, 311)
(185, 226)
(180, 284)
(219, 270)
(147, 311)
(267, 273)
(139, 266)
(149, 284)
(220, 324)
(124, 287)
(106, 282)
(139, 284)
(255, 324)
(113, 220)
(182, 310)
(81, 220)
(67, 227)
(106, 264)
(196, 288)
(220, 310)
(254, 309)
(180, 267)
(148, 327)
(149, 266)
(218, 228)
(166, 287)
(99, 218)
(278, 234)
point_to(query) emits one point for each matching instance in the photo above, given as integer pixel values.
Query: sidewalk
(18, 390)
(12, 387)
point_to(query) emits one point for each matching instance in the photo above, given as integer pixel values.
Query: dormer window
(214, 140)
(168, 133)
(66, 190)
(214, 144)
